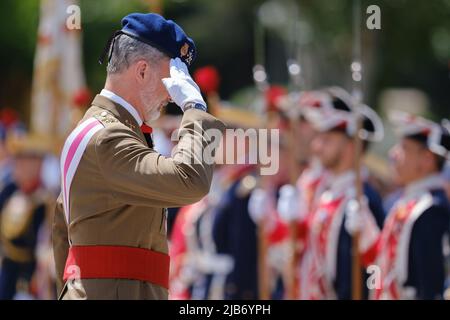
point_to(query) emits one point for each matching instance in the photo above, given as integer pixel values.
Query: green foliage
(411, 50)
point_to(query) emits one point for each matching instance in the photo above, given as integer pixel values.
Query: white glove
(182, 88)
(288, 203)
(258, 205)
(358, 218)
(353, 217)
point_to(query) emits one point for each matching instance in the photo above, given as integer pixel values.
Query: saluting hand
(182, 88)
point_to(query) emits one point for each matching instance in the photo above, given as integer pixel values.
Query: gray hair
(128, 50)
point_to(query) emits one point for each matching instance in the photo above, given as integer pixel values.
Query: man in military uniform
(23, 205)
(232, 243)
(109, 233)
(327, 261)
(234, 234)
(198, 271)
(409, 251)
(273, 232)
(297, 201)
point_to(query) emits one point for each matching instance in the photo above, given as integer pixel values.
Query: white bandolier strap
(73, 150)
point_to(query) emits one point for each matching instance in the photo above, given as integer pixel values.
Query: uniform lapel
(120, 113)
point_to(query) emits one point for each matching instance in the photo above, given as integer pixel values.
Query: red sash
(117, 262)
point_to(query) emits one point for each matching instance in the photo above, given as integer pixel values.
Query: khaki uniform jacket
(119, 193)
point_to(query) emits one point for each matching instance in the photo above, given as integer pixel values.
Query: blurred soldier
(328, 260)
(197, 270)
(273, 232)
(23, 204)
(297, 201)
(109, 234)
(410, 248)
(293, 106)
(202, 248)
(234, 235)
(312, 177)
(234, 232)
(203, 244)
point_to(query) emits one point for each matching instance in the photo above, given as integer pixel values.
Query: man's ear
(348, 144)
(142, 69)
(429, 160)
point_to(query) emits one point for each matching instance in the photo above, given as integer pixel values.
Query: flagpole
(294, 70)
(356, 68)
(260, 79)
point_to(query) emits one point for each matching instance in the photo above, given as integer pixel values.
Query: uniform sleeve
(426, 257)
(138, 175)
(60, 243)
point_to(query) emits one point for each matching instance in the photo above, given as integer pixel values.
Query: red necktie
(147, 131)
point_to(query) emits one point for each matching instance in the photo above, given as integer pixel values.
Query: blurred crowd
(29, 184)
(335, 222)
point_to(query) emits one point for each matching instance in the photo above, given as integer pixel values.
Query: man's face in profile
(154, 95)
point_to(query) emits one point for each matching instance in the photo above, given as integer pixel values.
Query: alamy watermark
(373, 21)
(374, 280)
(73, 21)
(234, 146)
